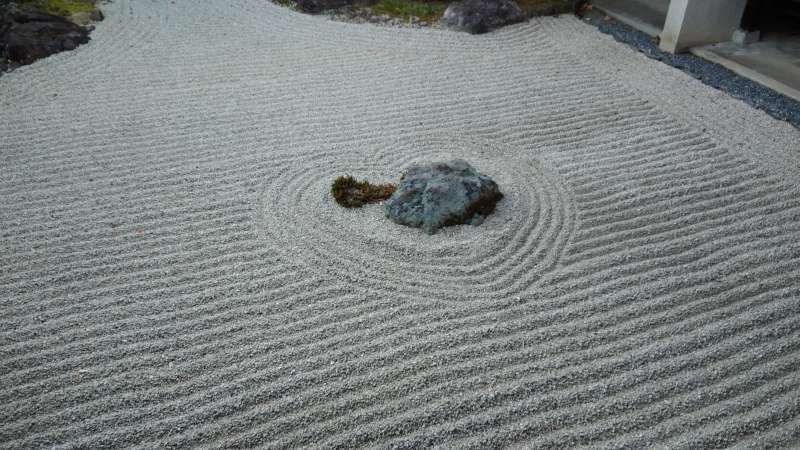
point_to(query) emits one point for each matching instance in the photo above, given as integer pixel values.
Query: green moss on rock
(64, 8)
(405, 10)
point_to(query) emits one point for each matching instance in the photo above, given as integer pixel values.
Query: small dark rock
(481, 16)
(441, 194)
(26, 36)
(97, 15)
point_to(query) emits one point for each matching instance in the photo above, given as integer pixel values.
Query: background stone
(481, 16)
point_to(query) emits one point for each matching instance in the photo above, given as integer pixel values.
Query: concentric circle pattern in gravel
(522, 240)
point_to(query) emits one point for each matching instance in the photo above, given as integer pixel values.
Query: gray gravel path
(174, 273)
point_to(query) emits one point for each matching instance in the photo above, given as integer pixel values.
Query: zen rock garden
(429, 196)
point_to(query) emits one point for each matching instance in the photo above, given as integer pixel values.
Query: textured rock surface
(26, 36)
(480, 16)
(432, 196)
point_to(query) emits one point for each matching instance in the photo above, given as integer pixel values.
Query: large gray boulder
(432, 196)
(481, 16)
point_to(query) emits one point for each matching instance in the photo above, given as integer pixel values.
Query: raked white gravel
(174, 273)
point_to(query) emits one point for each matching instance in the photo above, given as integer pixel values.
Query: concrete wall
(699, 22)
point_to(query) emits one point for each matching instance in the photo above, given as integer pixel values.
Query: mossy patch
(63, 8)
(351, 193)
(405, 10)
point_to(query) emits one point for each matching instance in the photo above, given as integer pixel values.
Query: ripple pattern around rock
(521, 240)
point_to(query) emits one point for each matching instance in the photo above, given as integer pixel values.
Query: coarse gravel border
(754, 94)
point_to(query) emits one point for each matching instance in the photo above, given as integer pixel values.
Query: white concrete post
(691, 23)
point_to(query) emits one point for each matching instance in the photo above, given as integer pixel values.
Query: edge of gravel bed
(754, 94)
